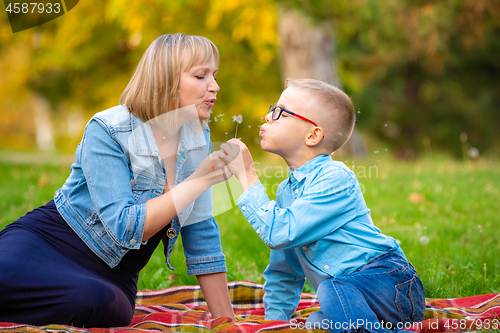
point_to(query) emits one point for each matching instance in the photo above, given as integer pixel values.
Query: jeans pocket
(410, 300)
(401, 263)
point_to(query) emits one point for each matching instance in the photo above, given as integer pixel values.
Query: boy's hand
(240, 162)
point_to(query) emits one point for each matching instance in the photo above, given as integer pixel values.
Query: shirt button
(243, 207)
(304, 247)
(296, 191)
(258, 231)
(326, 266)
(178, 154)
(132, 242)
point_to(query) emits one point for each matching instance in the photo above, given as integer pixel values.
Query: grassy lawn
(433, 207)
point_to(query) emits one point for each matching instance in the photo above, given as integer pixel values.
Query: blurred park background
(423, 74)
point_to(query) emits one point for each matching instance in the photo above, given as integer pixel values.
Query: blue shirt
(318, 228)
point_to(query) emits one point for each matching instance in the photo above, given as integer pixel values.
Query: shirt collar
(191, 135)
(144, 143)
(305, 169)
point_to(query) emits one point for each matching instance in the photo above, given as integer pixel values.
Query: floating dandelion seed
(376, 151)
(238, 119)
(424, 240)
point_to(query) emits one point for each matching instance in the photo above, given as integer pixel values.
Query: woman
(142, 174)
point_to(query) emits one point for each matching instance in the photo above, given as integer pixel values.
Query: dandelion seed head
(424, 240)
(238, 119)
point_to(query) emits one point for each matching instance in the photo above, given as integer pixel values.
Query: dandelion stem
(228, 188)
(238, 119)
(485, 274)
(482, 242)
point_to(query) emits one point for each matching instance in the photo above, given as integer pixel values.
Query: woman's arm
(163, 209)
(214, 288)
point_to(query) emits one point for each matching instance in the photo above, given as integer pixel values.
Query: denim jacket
(118, 168)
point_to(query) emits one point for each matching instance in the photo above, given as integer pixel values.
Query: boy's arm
(240, 162)
(324, 206)
(327, 204)
(283, 287)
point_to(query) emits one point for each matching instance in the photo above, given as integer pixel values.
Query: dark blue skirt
(49, 276)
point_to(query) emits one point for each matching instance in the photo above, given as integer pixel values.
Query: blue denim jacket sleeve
(202, 248)
(323, 207)
(283, 287)
(110, 187)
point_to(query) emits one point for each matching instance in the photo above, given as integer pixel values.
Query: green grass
(442, 200)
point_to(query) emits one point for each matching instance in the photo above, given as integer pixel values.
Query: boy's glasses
(278, 110)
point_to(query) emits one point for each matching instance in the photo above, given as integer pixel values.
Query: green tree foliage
(86, 57)
(416, 69)
(420, 70)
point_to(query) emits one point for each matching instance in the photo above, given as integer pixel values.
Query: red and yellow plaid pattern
(183, 309)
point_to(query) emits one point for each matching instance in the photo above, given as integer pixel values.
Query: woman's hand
(163, 209)
(214, 169)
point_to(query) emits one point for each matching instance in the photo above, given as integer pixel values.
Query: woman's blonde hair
(153, 90)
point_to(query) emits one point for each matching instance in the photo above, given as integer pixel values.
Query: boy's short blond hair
(153, 90)
(335, 111)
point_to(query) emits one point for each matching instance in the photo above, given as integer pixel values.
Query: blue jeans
(382, 295)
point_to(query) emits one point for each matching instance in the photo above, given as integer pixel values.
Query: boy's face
(286, 136)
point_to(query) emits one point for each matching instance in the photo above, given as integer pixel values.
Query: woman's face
(199, 87)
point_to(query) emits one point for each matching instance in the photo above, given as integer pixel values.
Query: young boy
(320, 228)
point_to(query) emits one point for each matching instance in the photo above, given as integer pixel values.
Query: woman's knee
(101, 304)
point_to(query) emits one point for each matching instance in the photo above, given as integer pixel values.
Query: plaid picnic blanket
(182, 309)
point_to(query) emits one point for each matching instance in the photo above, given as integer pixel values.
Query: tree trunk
(308, 51)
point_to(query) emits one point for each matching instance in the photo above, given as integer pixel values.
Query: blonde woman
(142, 175)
